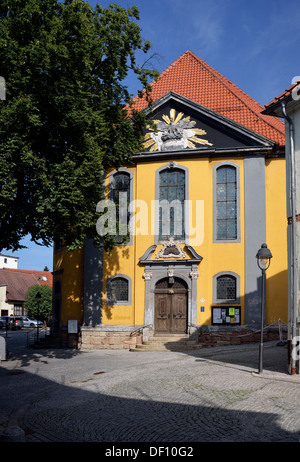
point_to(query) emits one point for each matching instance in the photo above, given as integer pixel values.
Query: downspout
(293, 224)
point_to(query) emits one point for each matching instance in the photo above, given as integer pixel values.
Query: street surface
(117, 396)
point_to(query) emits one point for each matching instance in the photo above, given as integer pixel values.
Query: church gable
(195, 80)
(181, 124)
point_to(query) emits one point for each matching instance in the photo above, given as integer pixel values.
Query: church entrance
(170, 306)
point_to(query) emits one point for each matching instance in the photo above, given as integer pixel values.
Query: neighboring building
(44, 278)
(14, 284)
(193, 270)
(8, 262)
(287, 106)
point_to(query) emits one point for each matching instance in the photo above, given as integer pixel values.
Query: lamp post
(263, 257)
(38, 299)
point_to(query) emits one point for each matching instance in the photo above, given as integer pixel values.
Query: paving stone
(209, 395)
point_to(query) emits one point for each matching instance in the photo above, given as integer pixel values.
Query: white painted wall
(8, 262)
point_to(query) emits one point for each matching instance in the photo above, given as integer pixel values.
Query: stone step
(169, 340)
(156, 348)
(167, 343)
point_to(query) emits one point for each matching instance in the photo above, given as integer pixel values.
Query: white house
(8, 262)
(287, 106)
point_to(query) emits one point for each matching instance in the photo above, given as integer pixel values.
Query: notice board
(226, 315)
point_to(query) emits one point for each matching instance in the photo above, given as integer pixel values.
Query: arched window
(121, 194)
(226, 288)
(226, 203)
(118, 290)
(171, 204)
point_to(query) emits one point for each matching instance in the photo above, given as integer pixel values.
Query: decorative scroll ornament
(174, 133)
(170, 249)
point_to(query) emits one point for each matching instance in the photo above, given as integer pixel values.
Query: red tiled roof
(17, 284)
(194, 79)
(283, 95)
(43, 278)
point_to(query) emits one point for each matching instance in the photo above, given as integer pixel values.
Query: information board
(228, 315)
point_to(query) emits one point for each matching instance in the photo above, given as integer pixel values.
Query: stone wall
(99, 339)
(224, 337)
(95, 340)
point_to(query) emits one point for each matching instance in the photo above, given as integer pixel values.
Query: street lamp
(263, 257)
(38, 299)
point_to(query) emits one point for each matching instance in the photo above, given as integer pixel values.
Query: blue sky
(254, 44)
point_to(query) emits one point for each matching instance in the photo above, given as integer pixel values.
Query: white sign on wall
(72, 326)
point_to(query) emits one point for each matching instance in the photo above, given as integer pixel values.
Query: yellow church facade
(193, 209)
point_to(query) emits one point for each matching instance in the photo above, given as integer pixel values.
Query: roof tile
(295, 86)
(194, 79)
(19, 281)
(43, 278)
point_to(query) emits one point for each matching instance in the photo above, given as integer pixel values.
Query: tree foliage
(63, 123)
(43, 309)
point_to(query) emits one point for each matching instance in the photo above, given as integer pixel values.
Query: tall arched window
(121, 192)
(226, 203)
(171, 218)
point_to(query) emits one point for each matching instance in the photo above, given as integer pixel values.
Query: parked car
(28, 322)
(18, 321)
(2, 324)
(7, 321)
(12, 322)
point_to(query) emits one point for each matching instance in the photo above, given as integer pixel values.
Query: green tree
(43, 309)
(63, 122)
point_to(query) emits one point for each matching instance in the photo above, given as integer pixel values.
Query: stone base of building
(222, 336)
(109, 338)
(127, 337)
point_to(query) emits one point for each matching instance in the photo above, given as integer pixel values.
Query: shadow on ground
(49, 411)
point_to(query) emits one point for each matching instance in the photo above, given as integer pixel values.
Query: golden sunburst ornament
(174, 132)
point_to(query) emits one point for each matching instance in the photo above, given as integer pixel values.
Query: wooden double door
(170, 306)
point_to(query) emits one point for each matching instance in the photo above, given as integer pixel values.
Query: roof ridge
(26, 270)
(163, 73)
(244, 109)
(225, 81)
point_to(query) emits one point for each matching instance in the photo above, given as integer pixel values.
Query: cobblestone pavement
(211, 395)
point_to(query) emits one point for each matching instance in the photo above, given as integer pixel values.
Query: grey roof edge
(211, 114)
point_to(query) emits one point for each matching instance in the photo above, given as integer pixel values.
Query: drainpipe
(293, 243)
